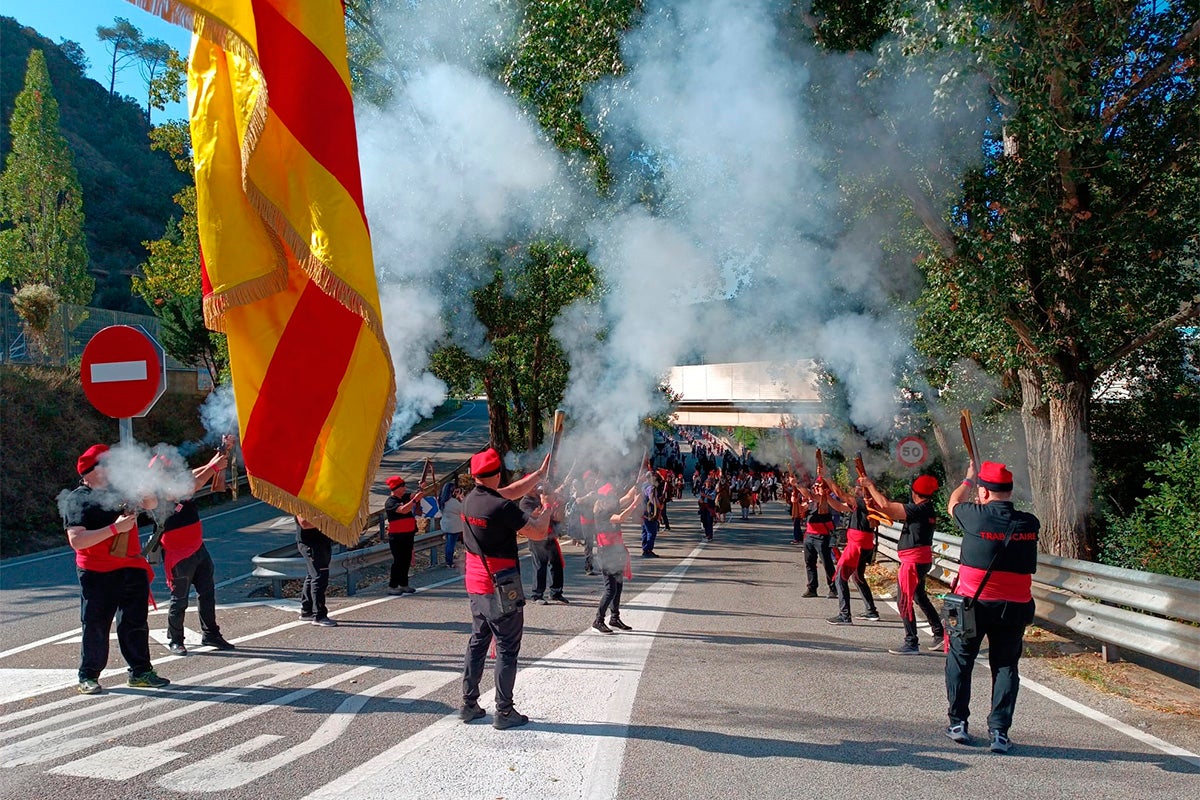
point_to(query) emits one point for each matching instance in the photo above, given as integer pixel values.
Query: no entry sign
(124, 371)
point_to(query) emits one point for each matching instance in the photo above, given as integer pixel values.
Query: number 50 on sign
(911, 452)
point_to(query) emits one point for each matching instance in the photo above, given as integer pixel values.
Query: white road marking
(158, 635)
(48, 640)
(1115, 724)
(548, 759)
(1100, 716)
(227, 770)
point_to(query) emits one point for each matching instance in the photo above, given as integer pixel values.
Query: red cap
(925, 485)
(605, 490)
(995, 477)
(485, 463)
(87, 461)
(394, 481)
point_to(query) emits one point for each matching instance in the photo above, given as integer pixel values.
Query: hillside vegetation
(127, 187)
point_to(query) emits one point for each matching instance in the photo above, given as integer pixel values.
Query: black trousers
(706, 522)
(317, 551)
(123, 594)
(546, 556)
(814, 546)
(798, 526)
(1004, 626)
(921, 598)
(611, 599)
(485, 623)
(860, 580)
(195, 570)
(401, 545)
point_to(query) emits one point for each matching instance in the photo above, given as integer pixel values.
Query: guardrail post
(1110, 653)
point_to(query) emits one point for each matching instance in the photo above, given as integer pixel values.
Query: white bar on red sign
(115, 371)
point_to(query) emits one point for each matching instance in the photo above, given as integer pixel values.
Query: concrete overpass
(751, 394)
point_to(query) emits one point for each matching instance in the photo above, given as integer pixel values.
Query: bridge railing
(1149, 613)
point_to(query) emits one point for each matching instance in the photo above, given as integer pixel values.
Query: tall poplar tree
(41, 203)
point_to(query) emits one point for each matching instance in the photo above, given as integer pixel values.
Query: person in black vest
(317, 550)
(915, 552)
(187, 563)
(402, 531)
(114, 581)
(547, 554)
(818, 531)
(856, 555)
(492, 522)
(996, 536)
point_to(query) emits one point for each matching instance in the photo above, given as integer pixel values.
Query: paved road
(730, 686)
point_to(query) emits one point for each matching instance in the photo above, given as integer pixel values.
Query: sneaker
(324, 622)
(407, 590)
(937, 645)
(307, 616)
(1000, 742)
(873, 616)
(470, 711)
(148, 680)
(600, 626)
(832, 592)
(588, 571)
(177, 648)
(809, 593)
(616, 622)
(509, 719)
(217, 643)
(558, 598)
(395, 591)
(89, 686)
(906, 650)
(541, 601)
(840, 621)
(958, 733)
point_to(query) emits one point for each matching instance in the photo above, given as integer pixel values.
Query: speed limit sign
(911, 452)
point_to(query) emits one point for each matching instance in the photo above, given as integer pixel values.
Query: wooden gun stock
(820, 465)
(560, 418)
(968, 435)
(859, 467)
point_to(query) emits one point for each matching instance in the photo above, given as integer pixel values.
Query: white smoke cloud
(724, 191)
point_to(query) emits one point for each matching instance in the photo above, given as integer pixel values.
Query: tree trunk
(1056, 430)
(537, 432)
(497, 415)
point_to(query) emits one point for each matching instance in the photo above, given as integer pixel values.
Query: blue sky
(78, 19)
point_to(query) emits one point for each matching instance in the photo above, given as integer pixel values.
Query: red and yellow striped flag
(287, 271)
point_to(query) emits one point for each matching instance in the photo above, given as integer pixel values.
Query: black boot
(600, 626)
(615, 622)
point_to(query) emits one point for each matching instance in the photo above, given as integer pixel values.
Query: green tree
(524, 371)
(40, 198)
(1163, 533)
(170, 280)
(156, 61)
(1073, 245)
(123, 40)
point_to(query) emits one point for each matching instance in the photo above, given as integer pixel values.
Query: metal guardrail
(1119, 607)
(286, 563)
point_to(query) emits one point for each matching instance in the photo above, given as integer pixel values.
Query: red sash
(478, 580)
(818, 528)
(856, 542)
(607, 538)
(97, 559)
(178, 544)
(406, 524)
(1011, 586)
(906, 576)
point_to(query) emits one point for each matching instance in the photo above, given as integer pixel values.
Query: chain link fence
(71, 328)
